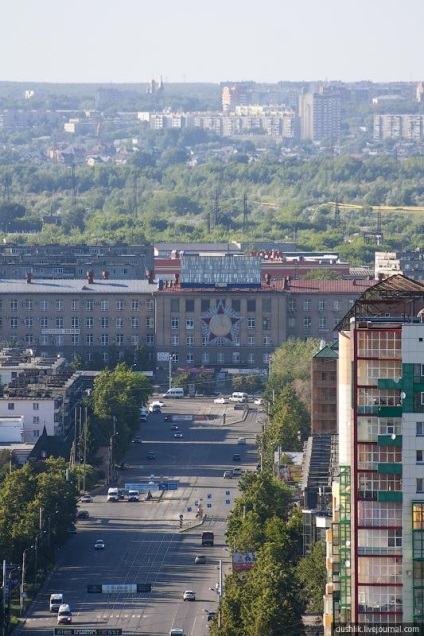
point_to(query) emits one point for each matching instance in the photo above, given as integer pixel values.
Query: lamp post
(171, 358)
(23, 594)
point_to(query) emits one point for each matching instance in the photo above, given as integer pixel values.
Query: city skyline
(100, 41)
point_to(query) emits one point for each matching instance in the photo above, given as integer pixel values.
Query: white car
(178, 435)
(258, 401)
(86, 499)
(241, 440)
(221, 400)
(99, 545)
(189, 595)
(158, 403)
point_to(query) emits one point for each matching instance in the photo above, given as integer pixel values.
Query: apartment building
(410, 264)
(406, 126)
(375, 546)
(324, 391)
(320, 116)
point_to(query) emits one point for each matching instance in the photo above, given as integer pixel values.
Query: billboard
(243, 561)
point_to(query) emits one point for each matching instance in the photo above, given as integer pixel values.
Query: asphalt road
(143, 541)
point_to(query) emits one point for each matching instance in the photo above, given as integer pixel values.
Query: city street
(143, 541)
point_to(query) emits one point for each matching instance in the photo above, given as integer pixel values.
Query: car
(258, 401)
(178, 435)
(236, 457)
(210, 616)
(221, 400)
(241, 440)
(151, 455)
(158, 403)
(228, 474)
(137, 440)
(121, 494)
(200, 558)
(86, 499)
(174, 427)
(82, 514)
(237, 472)
(72, 529)
(155, 408)
(189, 595)
(99, 545)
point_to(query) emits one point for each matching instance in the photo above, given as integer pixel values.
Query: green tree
(312, 576)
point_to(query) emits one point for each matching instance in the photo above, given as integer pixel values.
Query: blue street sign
(172, 485)
(181, 517)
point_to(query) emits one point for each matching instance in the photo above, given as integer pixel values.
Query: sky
(132, 41)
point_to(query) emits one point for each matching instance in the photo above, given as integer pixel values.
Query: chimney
(90, 276)
(28, 278)
(105, 274)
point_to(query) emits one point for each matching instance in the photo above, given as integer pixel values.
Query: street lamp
(172, 357)
(23, 594)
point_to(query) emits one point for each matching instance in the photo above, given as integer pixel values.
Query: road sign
(144, 587)
(181, 517)
(87, 631)
(117, 588)
(189, 509)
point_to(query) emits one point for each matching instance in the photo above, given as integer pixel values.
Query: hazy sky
(200, 41)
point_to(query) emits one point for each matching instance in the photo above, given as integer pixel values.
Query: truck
(56, 600)
(112, 494)
(207, 538)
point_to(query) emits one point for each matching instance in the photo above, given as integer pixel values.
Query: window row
(265, 341)
(89, 340)
(76, 323)
(322, 304)
(76, 305)
(229, 357)
(323, 323)
(206, 304)
(190, 323)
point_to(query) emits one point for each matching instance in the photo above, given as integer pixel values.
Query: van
(133, 495)
(239, 396)
(64, 615)
(177, 631)
(56, 600)
(207, 538)
(112, 494)
(174, 393)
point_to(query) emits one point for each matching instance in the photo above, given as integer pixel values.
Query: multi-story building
(406, 126)
(324, 391)
(375, 547)
(320, 116)
(410, 264)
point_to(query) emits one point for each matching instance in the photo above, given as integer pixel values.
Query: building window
(235, 304)
(59, 305)
(266, 359)
(251, 358)
(150, 323)
(292, 305)
(44, 305)
(13, 323)
(291, 322)
(135, 305)
(337, 305)
(105, 322)
(420, 429)
(29, 305)
(89, 305)
(75, 323)
(105, 356)
(266, 324)
(205, 357)
(60, 340)
(189, 306)
(119, 323)
(190, 323)
(75, 340)
(104, 339)
(236, 341)
(44, 322)
(104, 305)
(35, 419)
(251, 305)
(44, 340)
(150, 305)
(13, 305)
(134, 323)
(175, 340)
(175, 323)
(420, 484)
(306, 305)
(422, 398)
(236, 357)
(75, 305)
(190, 357)
(266, 305)
(175, 357)
(59, 323)
(267, 341)
(35, 433)
(322, 323)
(205, 305)
(119, 339)
(119, 305)
(419, 456)
(394, 538)
(89, 339)
(307, 322)
(135, 341)
(321, 305)
(150, 340)
(220, 358)
(29, 339)
(90, 322)
(205, 341)
(11, 406)
(250, 323)
(35, 406)
(175, 305)
(29, 323)
(190, 341)
(251, 340)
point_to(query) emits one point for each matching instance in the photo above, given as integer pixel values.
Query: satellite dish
(403, 395)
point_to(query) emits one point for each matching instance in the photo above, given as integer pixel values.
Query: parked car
(99, 545)
(228, 474)
(189, 595)
(221, 400)
(241, 440)
(82, 514)
(237, 472)
(210, 616)
(155, 408)
(86, 499)
(200, 558)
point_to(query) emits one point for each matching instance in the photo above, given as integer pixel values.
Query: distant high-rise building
(319, 116)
